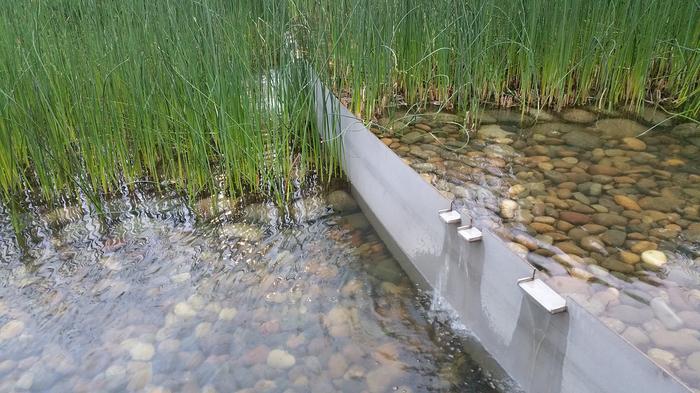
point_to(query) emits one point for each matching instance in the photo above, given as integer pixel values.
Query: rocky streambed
(605, 205)
(159, 298)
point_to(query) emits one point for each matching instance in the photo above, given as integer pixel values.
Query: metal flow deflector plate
(543, 294)
(449, 216)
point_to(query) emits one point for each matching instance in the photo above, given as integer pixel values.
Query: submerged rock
(665, 314)
(184, 310)
(380, 379)
(628, 257)
(227, 313)
(509, 116)
(664, 204)
(260, 213)
(630, 314)
(653, 115)
(582, 139)
(357, 221)
(64, 215)
(180, 277)
(636, 336)
(337, 365)
(387, 270)
(342, 201)
(576, 115)
(140, 374)
(593, 243)
(686, 130)
(619, 128)
(664, 358)
(654, 259)
(692, 233)
(540, 114)
(609, 219)
(412, 137)
(11, 329)
(444, 117)
(643, 245)
(615, 265)
(500, 151)
(508, 208)
(394, 125)
(627, 203)
(243, 231)
(142, 351)
(635, 144)
(680, 342)
(613, 237)
(492, 131)
(281, 359)
(574, 217)
(25, 381)
(693, 361)
(255, 355)
(310, 208)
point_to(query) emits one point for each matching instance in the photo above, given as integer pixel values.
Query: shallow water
(159, 298)
(606, 208)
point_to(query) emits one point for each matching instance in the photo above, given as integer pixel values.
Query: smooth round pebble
(227, 313)
(142, 351)
(654, 258)
(280, 359)
(184, 310)
(11, 329)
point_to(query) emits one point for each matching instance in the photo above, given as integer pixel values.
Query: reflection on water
(607, 209)
(160, 299)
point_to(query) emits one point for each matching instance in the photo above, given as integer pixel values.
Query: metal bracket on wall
(469, 233)
(449, 216)
(542, 294)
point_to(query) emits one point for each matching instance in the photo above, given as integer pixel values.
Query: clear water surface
(160, 298)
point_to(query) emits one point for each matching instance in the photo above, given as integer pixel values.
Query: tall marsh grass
(530, 53)
(215, 95)
(207, 95)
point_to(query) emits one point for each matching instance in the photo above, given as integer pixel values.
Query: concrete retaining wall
(567, 352)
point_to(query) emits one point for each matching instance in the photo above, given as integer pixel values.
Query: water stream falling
(438, 302)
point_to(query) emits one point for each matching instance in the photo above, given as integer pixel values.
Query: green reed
(217, 95)
(205, 95)
(530, 53)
